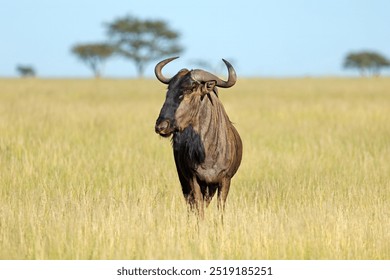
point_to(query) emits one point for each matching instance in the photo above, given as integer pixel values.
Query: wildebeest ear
(208, 86)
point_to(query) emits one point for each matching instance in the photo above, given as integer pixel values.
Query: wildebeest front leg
(186, 187)
(209, 192)
(198, 197)
(223, 190)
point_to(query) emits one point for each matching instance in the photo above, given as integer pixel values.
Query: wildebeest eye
(187, 91)
(181, 96)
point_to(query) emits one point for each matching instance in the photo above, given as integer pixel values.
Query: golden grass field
(84, 176)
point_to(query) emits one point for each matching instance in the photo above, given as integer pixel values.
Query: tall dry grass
(83, 175)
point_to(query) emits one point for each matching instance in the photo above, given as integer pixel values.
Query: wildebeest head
(185, 92)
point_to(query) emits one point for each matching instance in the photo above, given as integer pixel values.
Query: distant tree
(94, 55)
(366, 62)
(25, 71)
(143, 41)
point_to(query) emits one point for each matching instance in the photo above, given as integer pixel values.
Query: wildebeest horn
(204, 76)
(159, 66)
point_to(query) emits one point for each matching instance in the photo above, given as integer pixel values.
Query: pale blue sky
(261, 38)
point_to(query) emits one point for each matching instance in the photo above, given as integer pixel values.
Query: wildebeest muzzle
(164, 127)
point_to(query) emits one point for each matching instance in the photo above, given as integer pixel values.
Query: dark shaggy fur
(188, 146)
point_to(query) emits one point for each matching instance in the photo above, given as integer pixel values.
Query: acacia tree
(366, 62)
(25, 71)
(143, 41)
(94, 55)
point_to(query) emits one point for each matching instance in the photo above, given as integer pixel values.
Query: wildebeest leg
(187, 191)
(223, 190)
(198, 197)
(210, 192)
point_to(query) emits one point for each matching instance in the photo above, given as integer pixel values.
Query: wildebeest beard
(188, 149)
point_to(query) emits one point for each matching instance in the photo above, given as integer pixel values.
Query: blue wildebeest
(206, 146)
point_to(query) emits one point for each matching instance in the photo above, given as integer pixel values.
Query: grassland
(83, 175)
